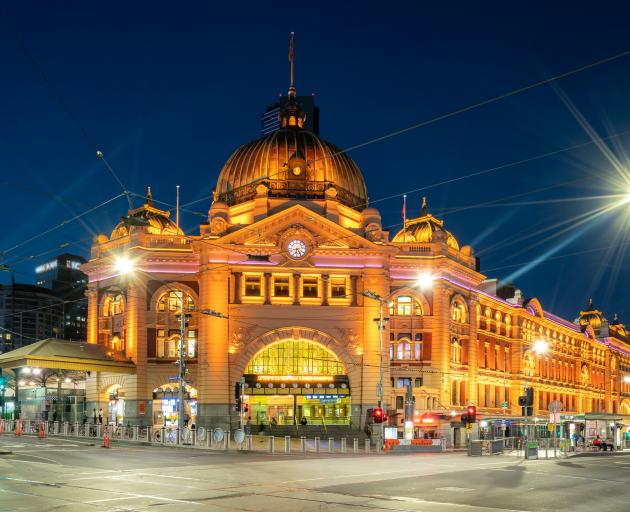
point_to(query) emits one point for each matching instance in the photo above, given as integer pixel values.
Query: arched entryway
(165, 405)
(624, 407)
(297, 380)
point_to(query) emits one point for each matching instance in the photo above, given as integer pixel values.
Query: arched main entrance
(296, 381)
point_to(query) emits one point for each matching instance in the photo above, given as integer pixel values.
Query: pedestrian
(94, 416)
(100, 416)
(54, 416)
(248, 426)
(186, 419)
(84, 418)
(303, 421)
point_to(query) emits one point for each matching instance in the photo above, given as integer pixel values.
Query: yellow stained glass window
(295, 357)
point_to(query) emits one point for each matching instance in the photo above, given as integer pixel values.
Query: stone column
(325, 287)
(608, 388)
(213, 377)
(92, 314)
(136, 348)
(376, 281)
(237, 287)
(267, 288)
(353, 290)
(441, 338)
(473, 359)
(296, 289)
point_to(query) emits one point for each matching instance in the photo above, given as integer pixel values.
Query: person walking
(94, 416)
(100, 416)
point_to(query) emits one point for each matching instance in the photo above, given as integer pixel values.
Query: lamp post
(539, 347)
(423, 281)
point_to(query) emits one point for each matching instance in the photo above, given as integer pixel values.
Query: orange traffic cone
(41, 432)
(106, 440)
(18, 428)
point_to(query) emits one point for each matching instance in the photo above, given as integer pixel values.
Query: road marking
(146, 496)
(576, 477)
(436, 504)
(454, 489)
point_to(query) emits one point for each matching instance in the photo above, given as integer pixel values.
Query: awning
(67, 355)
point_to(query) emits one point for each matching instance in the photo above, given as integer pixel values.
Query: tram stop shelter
(70, 362)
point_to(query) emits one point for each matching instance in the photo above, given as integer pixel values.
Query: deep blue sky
(169, 89)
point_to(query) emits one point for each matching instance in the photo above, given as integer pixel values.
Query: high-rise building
(270, 119)
(62, 275)
(28, 314)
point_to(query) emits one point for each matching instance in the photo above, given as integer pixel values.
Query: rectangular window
(191, 348)
(418, 382)
(485, 356)
(403, 383)
(252, 286)
(399, 402)
(161, 335)
(338, 287)
(310, 287)
(281, 286)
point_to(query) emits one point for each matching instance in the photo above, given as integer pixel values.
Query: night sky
(168, 90)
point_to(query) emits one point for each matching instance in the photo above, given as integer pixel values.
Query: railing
(202, 438)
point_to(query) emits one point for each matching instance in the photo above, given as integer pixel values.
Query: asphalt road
(53, 474)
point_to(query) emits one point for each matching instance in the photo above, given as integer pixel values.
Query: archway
(624, 407)
(296, 380)
(115, 399)
(165, 405)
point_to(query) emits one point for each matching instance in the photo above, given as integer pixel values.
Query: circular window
(296, 249)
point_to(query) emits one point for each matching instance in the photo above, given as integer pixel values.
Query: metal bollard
(317, 445)
(209, 434)
(367, 446)
(287, 444)
(343, 445)
(356, 445)
(98, 430)
(303, 444)
(163, 435)
(331, 445)
(65, 428)
(228, 440)
(135, 432)
(250, 442)
(272, 444)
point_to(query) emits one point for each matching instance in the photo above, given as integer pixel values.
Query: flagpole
(404, 217)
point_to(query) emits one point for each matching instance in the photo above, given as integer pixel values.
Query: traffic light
(245, 408)
(464, 418)
(378, 415)
(471, 414)
(526, 402)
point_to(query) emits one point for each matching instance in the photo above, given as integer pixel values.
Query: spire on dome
(291, 82)
(149, 196)
(424, 206)
(291, 116)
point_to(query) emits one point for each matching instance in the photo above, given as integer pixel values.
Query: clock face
(296, 248)
(297, 171)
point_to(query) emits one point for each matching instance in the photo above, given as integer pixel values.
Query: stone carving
(239, 338)
(529, 362)
(350, 339)
(585, 375)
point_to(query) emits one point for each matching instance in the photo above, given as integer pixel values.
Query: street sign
(239, 436)
(173, 378)
(469, 427)
(554, 417)
(555, 406)
(550, 427)
(504, 405)
(379, 390)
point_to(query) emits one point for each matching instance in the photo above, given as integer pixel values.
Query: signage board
(504, 405)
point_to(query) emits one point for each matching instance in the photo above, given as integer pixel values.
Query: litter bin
(532, 450)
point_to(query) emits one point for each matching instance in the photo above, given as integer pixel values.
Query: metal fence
(204, 438)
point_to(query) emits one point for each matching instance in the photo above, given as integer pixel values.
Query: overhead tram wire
(468, 108)
(91, 143)
(62, 224)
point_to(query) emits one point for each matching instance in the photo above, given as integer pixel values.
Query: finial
(291, 84)
(424, 206)
(590, 304)
(149, 196)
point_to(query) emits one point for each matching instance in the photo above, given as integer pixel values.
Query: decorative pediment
(321, 232)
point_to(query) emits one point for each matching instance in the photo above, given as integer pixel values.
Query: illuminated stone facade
(287, 252)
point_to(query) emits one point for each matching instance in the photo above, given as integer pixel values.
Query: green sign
(504, 405)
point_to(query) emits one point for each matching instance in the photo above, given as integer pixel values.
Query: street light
(124, 265)
(540, 347)
(425, 280)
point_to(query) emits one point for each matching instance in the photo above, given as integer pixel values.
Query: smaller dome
(591, 316)
(421, 230)
(148, 217)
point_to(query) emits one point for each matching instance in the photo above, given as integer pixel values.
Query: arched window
(403, 351)
(172, 301)
(295, 357)
(404, 305)
(458, 312)
(114, 304)
(168, 345)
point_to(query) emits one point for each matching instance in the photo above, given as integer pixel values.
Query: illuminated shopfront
(165, 405)
(116, 406)
(296, 381)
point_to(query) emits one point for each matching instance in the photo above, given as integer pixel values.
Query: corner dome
(423, 229)
(591, 316)
(149, 218)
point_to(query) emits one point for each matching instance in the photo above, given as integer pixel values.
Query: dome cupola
(425, 229)
(292, 163)
(591, 316)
